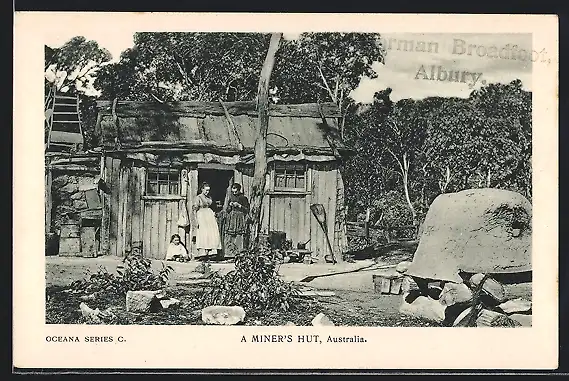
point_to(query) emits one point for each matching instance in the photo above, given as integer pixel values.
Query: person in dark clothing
(235, 225)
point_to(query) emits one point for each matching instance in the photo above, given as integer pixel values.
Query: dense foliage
(408, 152)
(422, 148)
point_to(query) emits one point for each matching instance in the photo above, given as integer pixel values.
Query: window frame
(155, 173)
(275, 172)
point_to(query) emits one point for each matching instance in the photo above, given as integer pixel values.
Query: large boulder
(474, 231)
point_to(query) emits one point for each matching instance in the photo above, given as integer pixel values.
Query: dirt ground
(354, 303)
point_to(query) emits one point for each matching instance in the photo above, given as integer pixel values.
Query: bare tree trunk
(258, 186)
(404, 168)
(406, 187)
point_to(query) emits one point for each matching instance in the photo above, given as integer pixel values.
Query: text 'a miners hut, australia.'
(156, 155)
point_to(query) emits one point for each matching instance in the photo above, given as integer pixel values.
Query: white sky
(401, 66)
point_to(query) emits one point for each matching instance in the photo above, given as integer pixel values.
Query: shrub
(135, 274)
(253, 285)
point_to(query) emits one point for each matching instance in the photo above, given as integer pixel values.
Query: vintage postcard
(285, 191)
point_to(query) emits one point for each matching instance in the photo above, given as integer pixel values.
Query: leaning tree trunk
(258, 185)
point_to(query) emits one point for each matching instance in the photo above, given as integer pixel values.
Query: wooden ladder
(64, 121)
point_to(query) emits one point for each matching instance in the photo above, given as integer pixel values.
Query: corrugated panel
(307, 132)
(298, 132)
(217, 130)
(246, 127)
(189, 128)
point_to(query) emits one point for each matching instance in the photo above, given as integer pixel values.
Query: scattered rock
(160, 295)
(516, 305)
(408, 285)
(322, 320)
(59, 181)
(76, 196)
(88, 297)
(454, 293)
(80, 204)
(524, 320)
(223, 315)
(141, 301)
(69, 188)
(488, 318)
(290, 324)
(402, 267)
(92, 315)
(422, 307)
(170, 302)
(491, 287)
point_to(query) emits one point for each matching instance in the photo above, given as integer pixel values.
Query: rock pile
(480, 301)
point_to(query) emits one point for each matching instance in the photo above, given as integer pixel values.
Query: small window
(163, 181)
(290, 176)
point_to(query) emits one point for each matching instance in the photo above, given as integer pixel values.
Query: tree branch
(155, 97)
(397, 160)
(325, 82)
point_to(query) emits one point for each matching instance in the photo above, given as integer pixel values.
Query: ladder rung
(64, 97)
(66, 121)
(64, 113)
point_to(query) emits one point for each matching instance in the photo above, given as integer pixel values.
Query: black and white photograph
(318, 179)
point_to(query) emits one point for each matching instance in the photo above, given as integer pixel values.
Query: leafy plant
(100, 281)
(135, 274)
(253, 285)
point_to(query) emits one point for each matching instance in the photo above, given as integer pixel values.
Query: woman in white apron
(208, 240)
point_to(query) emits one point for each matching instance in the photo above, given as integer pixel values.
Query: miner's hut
(156, 155)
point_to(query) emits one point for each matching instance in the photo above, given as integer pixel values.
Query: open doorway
(218, 179)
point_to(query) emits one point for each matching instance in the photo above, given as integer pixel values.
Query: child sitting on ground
(177, 250)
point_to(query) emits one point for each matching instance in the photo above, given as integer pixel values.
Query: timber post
(258, 186)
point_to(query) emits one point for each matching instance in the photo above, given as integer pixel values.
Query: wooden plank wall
(113, 168)
(288, 214)
(323, 191)
(191, 194)
(160, 223)
(106, 201)
(130, 218)
(291, 213)
(340, 232)
(135, 210)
